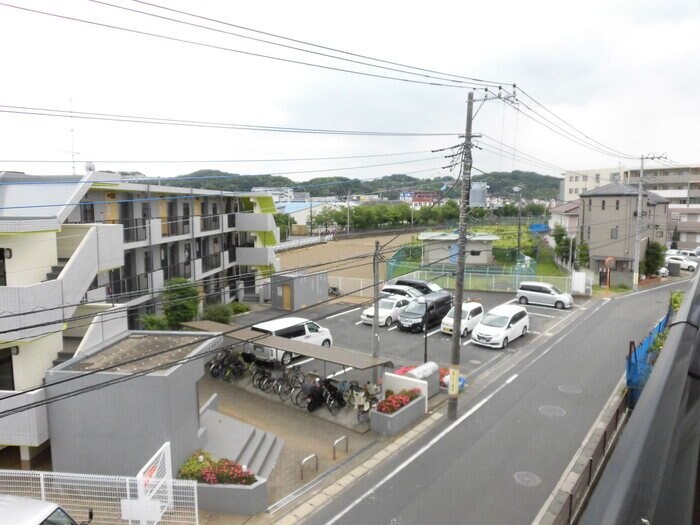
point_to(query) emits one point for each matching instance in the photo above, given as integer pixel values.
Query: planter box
(390, 424)
(246, 500)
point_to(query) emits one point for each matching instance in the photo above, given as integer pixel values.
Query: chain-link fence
(107, 496)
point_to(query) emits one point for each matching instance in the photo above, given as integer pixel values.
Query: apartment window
(87, 212)
(571, 190)
(590, 204)
(617, 204)
(588, 233)
(597, 178)
(584, 178)
(576, 178)
(147, 262)
(613, 232)
(571, 178)
(602, 204)
(614, 177)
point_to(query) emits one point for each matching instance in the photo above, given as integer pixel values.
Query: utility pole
(375, 317)
(638, 233)
(347, 205)
(571, 261)
(453, 391)
(311, 214)
(520, 216)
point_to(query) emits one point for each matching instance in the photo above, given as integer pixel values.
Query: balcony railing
(210, 222)
(126, 289)
(172, 226)
(232, 254)
(183, 269)
(231, 217)
(211, 262)
(134, 229)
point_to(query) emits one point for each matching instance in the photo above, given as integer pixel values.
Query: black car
(424, 287)
(430, 309)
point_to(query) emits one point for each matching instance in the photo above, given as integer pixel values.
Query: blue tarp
(539, 228)
(639, 362)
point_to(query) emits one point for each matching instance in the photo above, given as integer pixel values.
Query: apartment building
(574, 183)
(75, 246)
(608, 222)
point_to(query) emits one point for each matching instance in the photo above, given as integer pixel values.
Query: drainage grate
(552, 411)
(529, 479)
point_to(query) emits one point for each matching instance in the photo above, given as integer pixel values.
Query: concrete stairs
(252, 447)
(70, 345)
(56, 270)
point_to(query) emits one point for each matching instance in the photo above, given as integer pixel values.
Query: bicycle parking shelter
(334, 354)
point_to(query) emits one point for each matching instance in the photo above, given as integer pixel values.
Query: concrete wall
(115, 430)
(34, 358)
(33, 254)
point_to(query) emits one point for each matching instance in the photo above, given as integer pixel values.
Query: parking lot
(343, 320)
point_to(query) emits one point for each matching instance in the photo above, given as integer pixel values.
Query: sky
(622, 74)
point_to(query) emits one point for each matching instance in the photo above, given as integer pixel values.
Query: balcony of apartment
(229, 256)
(210, 222)
(183, 269)
(134, 229)
(251, 256)
(231, 220)
(688, 226)
(128, 288)
(174, 226)
(254, 222)
(211, 262)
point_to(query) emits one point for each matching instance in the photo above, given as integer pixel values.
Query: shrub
(202, 467)
(676, 300)
(395, 402)
(389, 393)
(153, 322)
(239, 308)
(220, 313)
(180, 301)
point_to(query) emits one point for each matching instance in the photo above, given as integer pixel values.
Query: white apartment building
(574, 183)
(75, 246)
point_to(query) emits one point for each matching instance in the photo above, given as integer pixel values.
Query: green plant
(239, 308)
(202, 467)
(192, 467)
(220, 313)
(676, 300)
(180, 301)
(389, 393)
(654, 258)
(153, 322)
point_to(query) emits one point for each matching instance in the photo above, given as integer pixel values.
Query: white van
(501, 325)
(543, 293)
(26, 511)
(296, 328)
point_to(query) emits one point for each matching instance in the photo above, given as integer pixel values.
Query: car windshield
(451, 313)
(556, 290)
(415, 308)
(497, 321)
(435, 287)
(386, 304)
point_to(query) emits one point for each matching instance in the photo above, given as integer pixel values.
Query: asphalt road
(501, 460)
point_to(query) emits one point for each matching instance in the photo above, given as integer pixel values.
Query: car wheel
(326, 343)
(504, 344)
(465, 332)
(559, 305)
(524, 331)
(388, 321)
(286, 358)
(522, 300)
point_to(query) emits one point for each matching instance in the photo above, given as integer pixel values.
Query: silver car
(545, 294)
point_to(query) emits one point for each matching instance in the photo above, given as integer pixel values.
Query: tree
(559, 233)
(284, 223)
(219, 313)
(180, 301)
(153, 322)
(654, 258)
(583, 255)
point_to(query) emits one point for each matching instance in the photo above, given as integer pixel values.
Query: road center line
(341, 313)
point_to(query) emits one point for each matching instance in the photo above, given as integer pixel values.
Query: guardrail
(305, 461)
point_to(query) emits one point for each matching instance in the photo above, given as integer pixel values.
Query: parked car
(424, 287)
(389, 310)
(472, 313)
(686, 264)
(501, 325)
(672, 251)
(429, 308)
(397, 289)
(663, 272)
(543, 293)
(296, 328)
(27, 511)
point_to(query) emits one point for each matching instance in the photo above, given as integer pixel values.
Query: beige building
(608, 222)
(567, 216)
(577, 182)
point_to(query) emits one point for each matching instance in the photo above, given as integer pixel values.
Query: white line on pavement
(536, 333)
(433, 332)
(418, 453)
(304, 361)
(392, 328)
(359, 322)
(467, 342)
(543, 315)
(342, 313)
(340, 372)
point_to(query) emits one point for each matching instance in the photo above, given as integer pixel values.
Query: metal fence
(306, 241)
(108, 496)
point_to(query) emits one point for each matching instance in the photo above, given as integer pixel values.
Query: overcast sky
(625, 73)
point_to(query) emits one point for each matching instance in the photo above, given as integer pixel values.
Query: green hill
(535, 186)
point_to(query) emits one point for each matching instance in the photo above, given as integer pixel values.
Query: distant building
(424, 198)
(441, 248)
(567, 216)
(279, 194)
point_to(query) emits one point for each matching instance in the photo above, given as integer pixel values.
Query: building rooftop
(622, 190)
(568, 208)
(137, 345)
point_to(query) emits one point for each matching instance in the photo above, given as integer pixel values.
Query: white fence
(77, 493)
(306, 241)
(472, 282)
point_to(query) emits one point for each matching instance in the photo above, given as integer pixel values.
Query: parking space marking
(467, 342)
(536, 333)
(340, 372)
(359, 322)
(433, 332)
(392, 328)
(304, 361)
(342, 313)
(543, 315)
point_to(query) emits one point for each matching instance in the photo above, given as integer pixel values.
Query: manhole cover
(552, 411)
(528, 479)
(570, 389)
(475, 362)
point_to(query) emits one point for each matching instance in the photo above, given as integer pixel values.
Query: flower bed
(395, 420)
(395, 402)
(202, 467)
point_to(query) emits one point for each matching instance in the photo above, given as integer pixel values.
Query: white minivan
(501, 325)
(17, 510)
(296, 328)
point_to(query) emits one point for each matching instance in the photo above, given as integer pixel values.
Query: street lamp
(519, 191)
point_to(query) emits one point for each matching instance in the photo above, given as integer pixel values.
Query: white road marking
(550, 308)
(467, 342)
(392, 328)
(358, 322)
(342, 313)
(433, 332)
(418, 453)
(543, 315)
(303, 362)
(536, 333)
(339, 372)
(511, 379)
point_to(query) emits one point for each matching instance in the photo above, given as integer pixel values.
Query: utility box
(429, 372)
(293, 291)
(674, 268)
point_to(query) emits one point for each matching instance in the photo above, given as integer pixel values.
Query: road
(501, 460)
